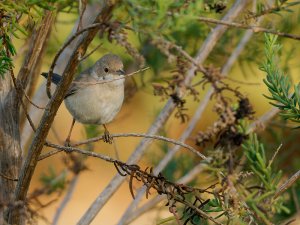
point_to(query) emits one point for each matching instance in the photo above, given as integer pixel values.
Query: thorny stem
(111, 160)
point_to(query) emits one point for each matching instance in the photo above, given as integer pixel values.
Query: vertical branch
(10, 149)
(202, 54)
(51, 109)
(36, 45)
(34, 55)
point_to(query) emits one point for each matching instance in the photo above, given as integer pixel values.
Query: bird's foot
(107, 137)
(67, 143)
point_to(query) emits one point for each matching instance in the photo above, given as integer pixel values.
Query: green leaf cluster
(265, 179)
(278, 84)
(5, 52)
(52, 181)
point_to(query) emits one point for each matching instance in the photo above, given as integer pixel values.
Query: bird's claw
(67, 143)
(107, 137)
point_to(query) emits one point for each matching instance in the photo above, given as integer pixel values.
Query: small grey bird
(91, 102)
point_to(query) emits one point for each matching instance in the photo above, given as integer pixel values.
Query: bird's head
(108, 67)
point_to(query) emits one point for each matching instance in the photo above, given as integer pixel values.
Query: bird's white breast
(96, 104)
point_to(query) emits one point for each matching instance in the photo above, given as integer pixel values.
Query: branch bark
(10, 149)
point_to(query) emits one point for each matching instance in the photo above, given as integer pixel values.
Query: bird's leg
(106, 136)
(67, 141)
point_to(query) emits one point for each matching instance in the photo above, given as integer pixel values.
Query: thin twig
(157, 137)
(82, 8)
(19, 94)
(90, 53)
(255, 29)
(7, 177)
(81, 151)
(287, 184)
(31, 102)
(68, 42)
(114, 79)
(274, 155)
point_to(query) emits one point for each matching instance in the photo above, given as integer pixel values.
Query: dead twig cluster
(176, 193)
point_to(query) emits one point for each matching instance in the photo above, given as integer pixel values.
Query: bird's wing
(55, 78)
(84, 77)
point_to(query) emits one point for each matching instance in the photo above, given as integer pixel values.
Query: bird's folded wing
(81, 81)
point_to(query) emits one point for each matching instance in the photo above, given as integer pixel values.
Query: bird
(96, 95)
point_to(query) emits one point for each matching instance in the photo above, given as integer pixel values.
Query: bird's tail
(55, 78)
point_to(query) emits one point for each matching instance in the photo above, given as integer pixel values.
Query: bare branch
(90, 53)
(114, 79)
(35, 49)
(145, 136)
(255, 29)
(287, 184)
(7, 177)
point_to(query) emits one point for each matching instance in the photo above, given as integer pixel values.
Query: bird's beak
(120, 72)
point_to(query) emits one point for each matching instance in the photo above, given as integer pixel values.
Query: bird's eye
(106, 70)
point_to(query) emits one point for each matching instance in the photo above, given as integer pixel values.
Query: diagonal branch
(255, 29)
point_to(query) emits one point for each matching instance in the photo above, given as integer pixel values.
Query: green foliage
(278, 84)
(52, 181)
(265, 182)
(11, 13)
(92, 131)
(5, 59)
